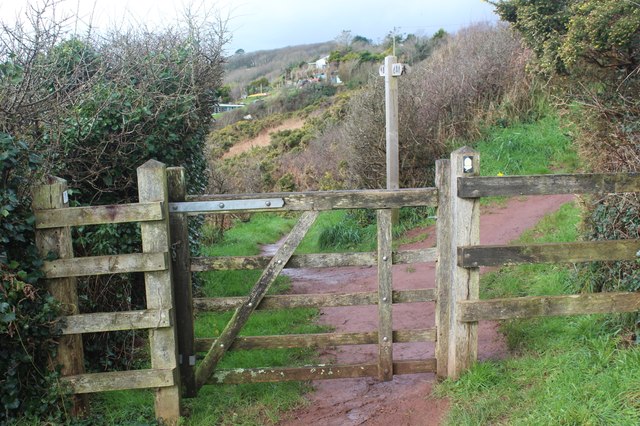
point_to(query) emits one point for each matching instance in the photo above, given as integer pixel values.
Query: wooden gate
(163, 210)
(310, 204)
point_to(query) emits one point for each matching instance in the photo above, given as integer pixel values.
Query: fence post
(443, 266)
(181, 264)
(385, 295)
(57, 242)
(465, 231)
(152, 186)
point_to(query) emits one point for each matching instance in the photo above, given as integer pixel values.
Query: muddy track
(407, 399)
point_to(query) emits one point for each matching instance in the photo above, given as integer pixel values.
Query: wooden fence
(54, 218)
(163, 209)
(474, 256)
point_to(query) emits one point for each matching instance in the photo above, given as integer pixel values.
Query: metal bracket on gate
(226, 205)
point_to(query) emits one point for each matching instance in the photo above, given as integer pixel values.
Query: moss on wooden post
(57, 242)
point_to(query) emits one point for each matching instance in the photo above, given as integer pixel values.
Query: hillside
(242, 68)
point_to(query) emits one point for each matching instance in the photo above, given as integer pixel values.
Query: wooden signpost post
(390, 70)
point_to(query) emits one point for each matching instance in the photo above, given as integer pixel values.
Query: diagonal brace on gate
(241, 315)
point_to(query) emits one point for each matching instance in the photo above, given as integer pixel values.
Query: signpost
(390, 71)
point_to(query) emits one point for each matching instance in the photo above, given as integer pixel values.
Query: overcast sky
(269, 24)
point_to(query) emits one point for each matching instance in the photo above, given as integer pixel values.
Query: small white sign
(396, 70)
(467, 164)
(65, 197)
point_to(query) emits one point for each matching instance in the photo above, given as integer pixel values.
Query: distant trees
(258, 86)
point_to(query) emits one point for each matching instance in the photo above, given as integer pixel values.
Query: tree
(591, 50)
(563, 32)
(344, 39)
(258, 86)
(358, 39)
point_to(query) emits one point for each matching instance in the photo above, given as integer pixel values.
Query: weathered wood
(313, 300)
(316, 372)
(114, 321)
(241, 315)
(465, 228)
(329, 200)
(152, 187)
(391, 130)
(385, 299)
(324, 260)
(120, 380)
(536, 306)
(585, 251)
(391, 119)
(101, 265)
(319, 340)
(182, 287)
(97, 215)
(57, 241)
(548, 184)
(444, 265)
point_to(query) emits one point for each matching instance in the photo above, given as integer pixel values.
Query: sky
(269, 24)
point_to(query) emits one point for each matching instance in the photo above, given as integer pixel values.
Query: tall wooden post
(152, 186)
(181, 264)
(465, 227)
(391, 119)
(444, 266)
(57, 242)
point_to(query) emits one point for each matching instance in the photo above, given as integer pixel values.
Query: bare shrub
(449, 96)
(319, 166)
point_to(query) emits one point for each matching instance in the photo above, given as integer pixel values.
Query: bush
(96, 109)
(28, 314)
(454, 94)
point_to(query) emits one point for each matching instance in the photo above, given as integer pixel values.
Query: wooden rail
(115, 321)
(319, 340)
(325, 260)
(486, 186)
(101, 265)
(536, 306)
(585, 251)
(317, 372)
(330, 200)
(97, 215)
(313, 300)
(121, 380)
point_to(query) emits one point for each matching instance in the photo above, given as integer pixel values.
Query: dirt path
(406, 400)
(263, 139)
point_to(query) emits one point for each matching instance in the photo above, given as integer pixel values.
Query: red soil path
(407, 399)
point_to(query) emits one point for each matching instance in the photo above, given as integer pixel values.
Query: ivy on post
(465, 282)
(57, 242)
(152, 186)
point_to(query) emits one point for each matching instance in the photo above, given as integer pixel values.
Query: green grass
(566, 370)
(541, 147)
(355, 230)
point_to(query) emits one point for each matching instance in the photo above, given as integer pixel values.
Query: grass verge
(568, 370)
